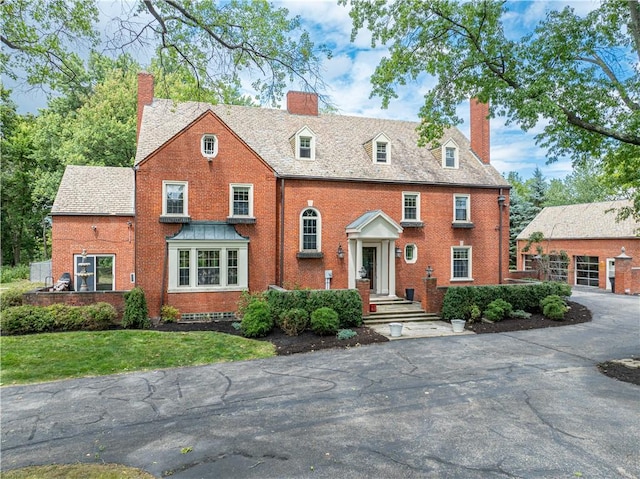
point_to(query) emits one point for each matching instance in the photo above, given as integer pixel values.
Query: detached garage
(582, 243)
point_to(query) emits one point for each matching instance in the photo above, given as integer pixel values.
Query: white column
(392, 268)
(352, 254)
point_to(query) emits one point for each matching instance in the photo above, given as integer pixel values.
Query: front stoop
(416, 323)
(397, 310)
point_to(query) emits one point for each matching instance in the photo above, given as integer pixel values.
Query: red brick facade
(104, 235)
(604, 249)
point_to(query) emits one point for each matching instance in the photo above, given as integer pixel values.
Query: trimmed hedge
(324, 321)
(459, 300)
(346, 302)
(29, 319)
(257, 320)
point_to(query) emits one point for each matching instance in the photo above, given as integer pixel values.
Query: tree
(16, 183)
(579, 74)
(585, 184)
(215, 41)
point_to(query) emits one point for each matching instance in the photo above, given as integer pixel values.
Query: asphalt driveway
(529, 404)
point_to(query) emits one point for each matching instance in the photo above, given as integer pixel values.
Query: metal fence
(41, 272)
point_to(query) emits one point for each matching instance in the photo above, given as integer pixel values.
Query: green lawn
(52, 356)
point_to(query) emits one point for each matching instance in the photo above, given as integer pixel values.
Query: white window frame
(185, 200)
(415, 253)
(204, 139)
(456, 155)
(379, 140)
(306, 132)
(318, 231)
(193, 247)
(468, 208)
(232, 189)
(405, 194)
(469, 250)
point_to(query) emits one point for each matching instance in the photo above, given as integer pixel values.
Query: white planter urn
(396, 329)
(458, 325)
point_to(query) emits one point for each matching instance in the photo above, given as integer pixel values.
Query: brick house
(229, 198)
(586, 245)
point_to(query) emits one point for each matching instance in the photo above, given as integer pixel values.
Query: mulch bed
(308, 341)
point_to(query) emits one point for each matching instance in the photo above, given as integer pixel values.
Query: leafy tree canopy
(214, 41)
(577, 74)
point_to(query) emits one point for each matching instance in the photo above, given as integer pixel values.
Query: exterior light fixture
(398, 252)
(340, 252)
(501, 199)
(429, 271)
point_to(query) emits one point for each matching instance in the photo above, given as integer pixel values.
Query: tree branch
(596, 60)
(575, 120)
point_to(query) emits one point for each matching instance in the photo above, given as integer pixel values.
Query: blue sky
(346, 76)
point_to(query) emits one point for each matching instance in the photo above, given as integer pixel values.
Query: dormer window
(305, 147)
(381, 149)
(209, 146)
(450, 155)
(305, 144)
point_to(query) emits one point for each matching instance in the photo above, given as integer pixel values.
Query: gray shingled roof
(583, 221)
(95, 190)
(340, 140)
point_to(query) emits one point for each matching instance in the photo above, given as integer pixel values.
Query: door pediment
(374, 225)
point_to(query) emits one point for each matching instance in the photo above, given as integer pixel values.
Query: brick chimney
(145, 95)
(479, 130)
(302, 103)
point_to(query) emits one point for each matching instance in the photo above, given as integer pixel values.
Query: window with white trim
(461, 208)
(310, 230)
(411, 253)
(208, 266)
(209, 146)
(450, 155)
(381, 149)
(175, 198)
(461, 263)
(305, 144)
(241, 200)
(410, 206)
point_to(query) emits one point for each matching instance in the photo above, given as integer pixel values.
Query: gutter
(281, 272)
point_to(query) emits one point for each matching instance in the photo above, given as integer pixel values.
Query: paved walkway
(419, 329)
(528, 404)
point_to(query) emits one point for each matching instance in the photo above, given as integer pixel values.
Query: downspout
(281, 275)
(501, 200)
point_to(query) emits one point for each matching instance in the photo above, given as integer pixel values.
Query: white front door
(611, 271)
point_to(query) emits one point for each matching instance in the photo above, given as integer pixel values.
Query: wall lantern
(429, 271)
(398, 252)
(340, 252)
(501, 200)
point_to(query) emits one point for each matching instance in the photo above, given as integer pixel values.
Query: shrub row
(459, 300)
(28, 319)
(346, 302)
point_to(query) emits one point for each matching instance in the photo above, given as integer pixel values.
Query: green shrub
(256, 321)
(554, 307)
(458, 300)
(294, 321)
(346, 334)
(346, 302)
(169, 314)
(497, 310)
(26, 319)
(136, 314)
(68, 318)
(324, 321)
(474, 314)
(8, 274)
(100, 316)
(519, 314)
(245, 299)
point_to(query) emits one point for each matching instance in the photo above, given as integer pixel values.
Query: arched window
(310, 230)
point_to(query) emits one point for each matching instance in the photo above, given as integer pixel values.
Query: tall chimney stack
(479, 130)
(145, 95)
(302, 103)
